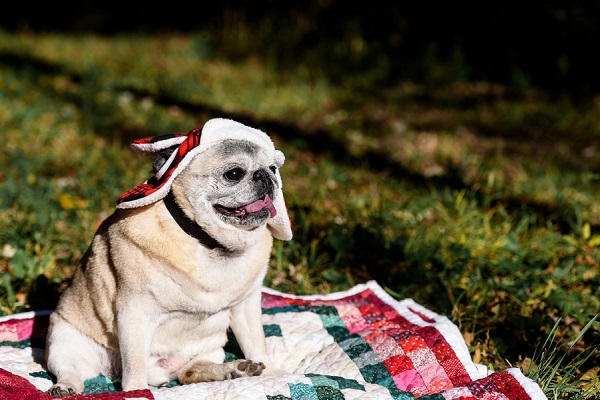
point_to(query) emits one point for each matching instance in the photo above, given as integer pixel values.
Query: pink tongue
(260, 204)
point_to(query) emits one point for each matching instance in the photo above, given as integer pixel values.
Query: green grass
(568, 381)
(479, 203)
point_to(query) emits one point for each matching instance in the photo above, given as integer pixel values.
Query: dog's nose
(260, 175)
(263, 181)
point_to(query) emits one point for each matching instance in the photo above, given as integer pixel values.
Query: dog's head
(235, 180)
(227, 177)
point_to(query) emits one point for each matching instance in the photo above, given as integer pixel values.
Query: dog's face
(233, 181)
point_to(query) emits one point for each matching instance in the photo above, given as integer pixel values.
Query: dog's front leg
(135, 335)
(246, 324)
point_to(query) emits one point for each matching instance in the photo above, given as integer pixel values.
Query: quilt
(356, 344)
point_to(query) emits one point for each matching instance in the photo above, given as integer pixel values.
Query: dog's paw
(60, 390)
(208, 372)
(246, 368)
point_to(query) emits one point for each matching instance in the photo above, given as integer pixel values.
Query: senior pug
(180, 261)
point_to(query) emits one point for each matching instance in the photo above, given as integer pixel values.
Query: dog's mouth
(254, 208)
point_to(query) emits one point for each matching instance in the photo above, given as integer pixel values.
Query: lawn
(475, 200)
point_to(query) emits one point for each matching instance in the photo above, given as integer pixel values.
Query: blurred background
(448, 150)
(548, 45)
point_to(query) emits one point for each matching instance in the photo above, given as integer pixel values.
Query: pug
(180, 261)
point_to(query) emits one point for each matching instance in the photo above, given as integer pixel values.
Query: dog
(180, 261)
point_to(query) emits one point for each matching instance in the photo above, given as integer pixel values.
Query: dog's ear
(161, 158)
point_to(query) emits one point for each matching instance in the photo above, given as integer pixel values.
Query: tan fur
(151, 304)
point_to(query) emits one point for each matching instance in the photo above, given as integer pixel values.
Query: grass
(477, 202)
(568, 381)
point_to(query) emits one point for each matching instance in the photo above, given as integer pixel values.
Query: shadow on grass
(317, 141)
(44, 294)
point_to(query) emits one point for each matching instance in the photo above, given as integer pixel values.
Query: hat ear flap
(153, 145)
(161, 158)
(281, 225)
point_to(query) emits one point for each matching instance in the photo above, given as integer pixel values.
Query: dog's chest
(209, 284)
(195, 333)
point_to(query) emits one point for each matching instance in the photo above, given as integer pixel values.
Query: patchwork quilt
(357, 344)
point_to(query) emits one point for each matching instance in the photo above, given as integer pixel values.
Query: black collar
(188, 225)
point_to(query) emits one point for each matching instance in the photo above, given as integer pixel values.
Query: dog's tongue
(260, 204)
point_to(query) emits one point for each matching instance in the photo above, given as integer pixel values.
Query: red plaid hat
(191, 144)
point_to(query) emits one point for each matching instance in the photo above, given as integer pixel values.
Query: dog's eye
(273, 168)
(235, 174)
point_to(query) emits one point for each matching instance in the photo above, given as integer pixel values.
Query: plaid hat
(190, 144)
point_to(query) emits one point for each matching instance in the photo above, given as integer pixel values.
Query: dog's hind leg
(72, 357)
(206, 371)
